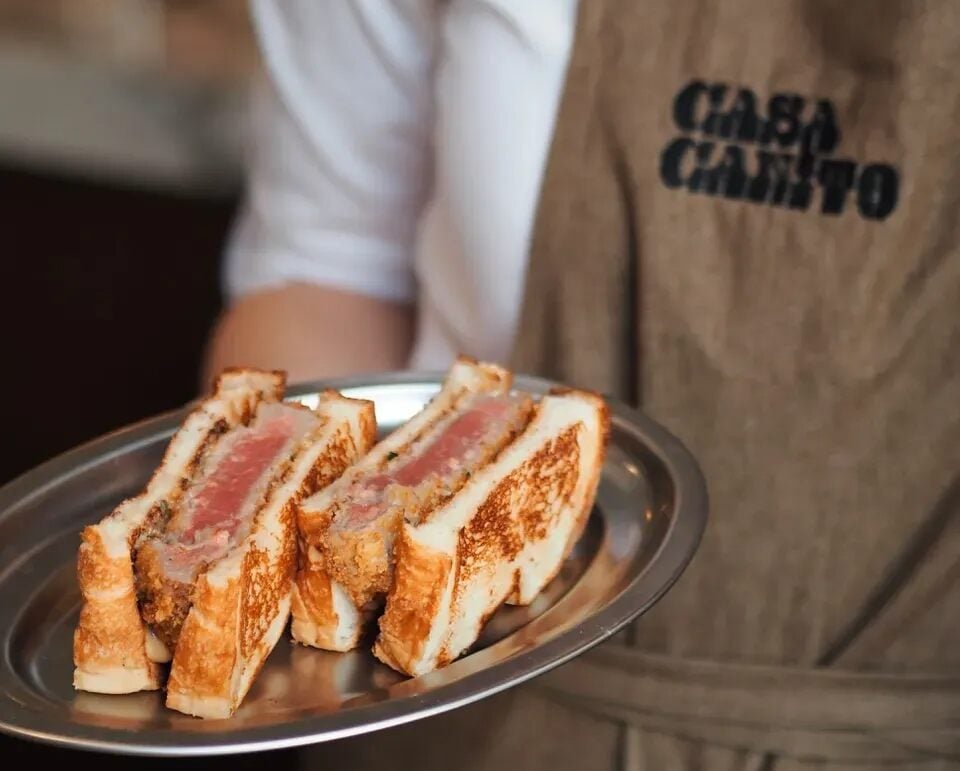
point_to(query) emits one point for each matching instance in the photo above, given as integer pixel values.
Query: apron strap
(809, 714)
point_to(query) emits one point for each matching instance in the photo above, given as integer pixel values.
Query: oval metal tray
(650, 513)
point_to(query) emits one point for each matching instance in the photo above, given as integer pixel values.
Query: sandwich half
(511, 481)
(348, 528)
(197, 570)
(501, 539)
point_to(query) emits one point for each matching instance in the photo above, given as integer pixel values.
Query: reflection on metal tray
(650, 513)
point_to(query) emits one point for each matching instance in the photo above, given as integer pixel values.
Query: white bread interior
(324, 615)
(504, 536)
(113, 650)
(241, 604)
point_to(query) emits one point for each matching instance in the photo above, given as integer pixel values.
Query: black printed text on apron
(784, 153)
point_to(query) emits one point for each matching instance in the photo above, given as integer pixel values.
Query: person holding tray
(739, 217)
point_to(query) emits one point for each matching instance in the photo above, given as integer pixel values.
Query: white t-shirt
(397, 151)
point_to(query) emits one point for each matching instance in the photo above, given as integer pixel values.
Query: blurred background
(121, 141)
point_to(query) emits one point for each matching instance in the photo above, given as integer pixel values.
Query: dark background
(106, 299)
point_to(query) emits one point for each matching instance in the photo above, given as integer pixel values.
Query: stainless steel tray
(650, 513)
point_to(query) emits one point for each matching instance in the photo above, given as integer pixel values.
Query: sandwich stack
(263, 512)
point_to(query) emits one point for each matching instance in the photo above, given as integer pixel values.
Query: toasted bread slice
(242, 603)
(323, 615)
(348, 528)
(502, 537)
(113, 650)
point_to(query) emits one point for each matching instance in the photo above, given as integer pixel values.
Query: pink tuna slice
(445, 456)
(217, 504)
(222, 505)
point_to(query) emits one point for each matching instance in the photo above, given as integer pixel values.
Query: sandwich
(187, 586)
(474, 502)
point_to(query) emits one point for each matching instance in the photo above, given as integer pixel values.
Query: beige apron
(749, 227)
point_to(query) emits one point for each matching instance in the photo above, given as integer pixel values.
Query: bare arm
(312, 332)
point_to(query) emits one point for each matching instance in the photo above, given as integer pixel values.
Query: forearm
(312, 333)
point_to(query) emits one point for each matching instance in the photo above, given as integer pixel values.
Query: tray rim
(680, 545)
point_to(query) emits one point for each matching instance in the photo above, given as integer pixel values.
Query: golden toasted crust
(577, 508)
(110, 641)
(240, 618)
(312, 526)
(227, 627)
(271, 383)
(493, 374)
(494, 534)
(314, 616)
(550, 493)
(366, 436)
(267, 581)
(358, 562)
(420, 584)
(361, 560)
(206, 653)
(513, 542)
(591, 483)
(109, 638)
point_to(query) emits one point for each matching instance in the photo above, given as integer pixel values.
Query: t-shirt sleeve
(338, 163)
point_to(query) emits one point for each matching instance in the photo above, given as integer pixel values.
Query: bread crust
(112, 646)
(314, 615)
(579, 503)
(358, 564)
(504, 536)
(591, 483)
(361, 561)
(201, 676)
(323, 616)
(242, 604)
(422, 584)
(109, 644)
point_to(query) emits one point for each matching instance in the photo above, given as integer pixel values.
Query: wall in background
(121, 136)
(144, 92)
(106, 298)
